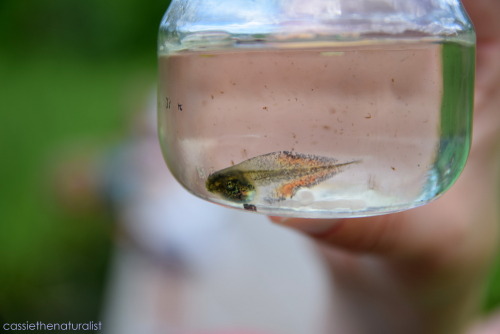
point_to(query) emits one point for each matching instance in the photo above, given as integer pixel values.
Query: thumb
(376, 235)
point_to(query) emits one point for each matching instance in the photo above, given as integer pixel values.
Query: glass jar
(320, 108)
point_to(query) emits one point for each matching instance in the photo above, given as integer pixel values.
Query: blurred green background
(71, 75)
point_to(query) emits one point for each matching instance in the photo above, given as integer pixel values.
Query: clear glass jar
(317, 108)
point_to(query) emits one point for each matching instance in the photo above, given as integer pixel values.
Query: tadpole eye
(229, 185)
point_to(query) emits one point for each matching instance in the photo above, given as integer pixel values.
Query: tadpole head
(232, 185)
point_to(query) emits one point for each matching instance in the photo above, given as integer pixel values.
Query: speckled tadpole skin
(286, 171)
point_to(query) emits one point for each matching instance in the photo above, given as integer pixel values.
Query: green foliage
(54, 261)
(70, 72)
(91, 28)
(492, 298)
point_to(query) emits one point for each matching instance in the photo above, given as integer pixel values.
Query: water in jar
(318, 130)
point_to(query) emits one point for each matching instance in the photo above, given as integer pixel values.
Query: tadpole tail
(348, 163)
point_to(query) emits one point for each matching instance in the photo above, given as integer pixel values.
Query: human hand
(423, 270)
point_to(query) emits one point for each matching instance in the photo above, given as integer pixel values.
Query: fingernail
(313, 227)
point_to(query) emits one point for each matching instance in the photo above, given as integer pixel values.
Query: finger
(459, 227)
(484, 15)
(374, 235)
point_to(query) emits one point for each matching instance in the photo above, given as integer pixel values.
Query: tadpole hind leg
(249, 207)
